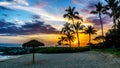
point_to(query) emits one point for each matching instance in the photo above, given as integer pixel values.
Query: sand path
(88, 59)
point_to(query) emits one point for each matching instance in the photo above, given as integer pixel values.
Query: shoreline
(9, 57)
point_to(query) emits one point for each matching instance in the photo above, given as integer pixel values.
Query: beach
(3, 58)
(90, 59)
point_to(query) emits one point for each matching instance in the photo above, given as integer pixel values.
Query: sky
(23, 20)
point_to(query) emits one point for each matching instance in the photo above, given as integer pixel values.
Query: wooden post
(33, 55)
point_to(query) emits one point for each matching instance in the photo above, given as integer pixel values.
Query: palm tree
(90, 30)
(99, 38)
(99, 10)
(72, 14)
(113, 5)
(112, 36)
(70, 38)
(118, 13)
(66, 30)
(77, 26)
(61, 39)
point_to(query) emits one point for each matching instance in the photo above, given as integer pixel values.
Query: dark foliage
(61, 49)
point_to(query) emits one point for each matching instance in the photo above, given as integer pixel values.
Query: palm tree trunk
(73, 21)
(114, 22)
(76, 33)
(33, 55)
(114, 19)
(69, 42)
(90, 40)
(78, 38)
(101, 25)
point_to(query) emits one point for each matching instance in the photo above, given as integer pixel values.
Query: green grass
(109, 50)
(60, 49)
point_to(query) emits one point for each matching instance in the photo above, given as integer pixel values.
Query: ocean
(2, 58)
(10, 45)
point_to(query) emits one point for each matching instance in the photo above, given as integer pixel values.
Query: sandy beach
(88, 59)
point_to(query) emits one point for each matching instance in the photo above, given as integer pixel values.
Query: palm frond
(73, 9)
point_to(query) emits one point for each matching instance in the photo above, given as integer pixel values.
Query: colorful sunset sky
(23, 20)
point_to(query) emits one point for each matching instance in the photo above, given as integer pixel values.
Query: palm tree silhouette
(77, 26)
(66, 30)
(114, 6)
(99, 38)
(113, 36)
(99, 10)
(61, 39)
(72, 14)
(90, 30)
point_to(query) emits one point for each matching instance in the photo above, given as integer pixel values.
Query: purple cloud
(87, 11)
(96, 20)
(29, 28)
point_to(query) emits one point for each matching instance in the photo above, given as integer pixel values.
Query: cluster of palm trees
(71, 29)
(112, 8)
(113, 36)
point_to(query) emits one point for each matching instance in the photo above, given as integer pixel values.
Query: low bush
(60, 49)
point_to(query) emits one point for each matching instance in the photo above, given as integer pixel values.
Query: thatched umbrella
(33, 44)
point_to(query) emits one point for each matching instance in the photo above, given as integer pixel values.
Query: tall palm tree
(99, 10)
(77, 26)
(90, 30)
(66, 30)
(114, 6)
(72, 14)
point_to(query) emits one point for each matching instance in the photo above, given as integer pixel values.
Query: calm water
(10, 45)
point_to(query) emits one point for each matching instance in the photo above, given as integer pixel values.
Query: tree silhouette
(99, 10)
(73, 15)
(99, 38)
(90, 30)
(61, 39)
(77, 26)
(68, 31)
(114, 6)
(118, 13)
(112, 36)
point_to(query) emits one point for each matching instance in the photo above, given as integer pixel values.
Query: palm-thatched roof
(32, 43)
